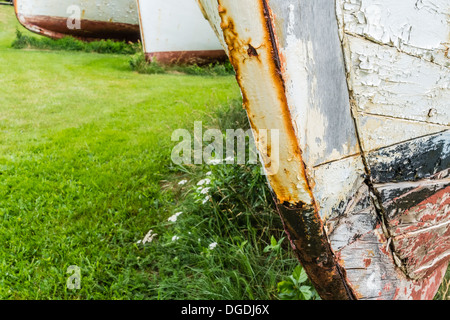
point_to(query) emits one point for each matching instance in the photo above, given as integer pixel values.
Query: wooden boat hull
(359, 92)
(176, 32)
(98, 19)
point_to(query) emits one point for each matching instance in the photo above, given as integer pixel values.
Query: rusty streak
(188, 57)
(252, 51)
(312, 246)
(301, 220)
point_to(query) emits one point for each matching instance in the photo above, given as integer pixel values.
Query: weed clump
(224, 239)
(140, 64)
(71, 44)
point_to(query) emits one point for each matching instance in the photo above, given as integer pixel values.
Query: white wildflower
(204, 181)
(209, 173)
(205, 191)
(148, 237)
(212, 246)
(182, 182)
(206, 199)
(174, 217)
(175, 238)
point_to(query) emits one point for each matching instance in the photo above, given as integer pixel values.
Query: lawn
(85, 144)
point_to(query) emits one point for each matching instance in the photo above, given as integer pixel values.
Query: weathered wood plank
(378, 132)
(411, 161)
(357, 218)
(390, 83)
(418, 28)
(316, 85)
(421, 234)
(401, 196)
(336, 186)
(374, 275)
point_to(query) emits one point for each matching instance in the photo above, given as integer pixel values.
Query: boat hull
(176, 32)
(86, 20)
(361, 104)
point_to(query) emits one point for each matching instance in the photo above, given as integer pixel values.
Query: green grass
(139, 64)
(229, 206)
(68, 43)
(84, 145)
(85, 173)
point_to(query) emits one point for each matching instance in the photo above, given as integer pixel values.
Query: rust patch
(252, 51)
(313, 250)
(202, 9)
(56, 27)
(188, 57)
(301, 221)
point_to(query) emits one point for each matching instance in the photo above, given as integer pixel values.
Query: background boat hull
(98, 19)
(176, 32)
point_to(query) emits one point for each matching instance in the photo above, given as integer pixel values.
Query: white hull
(94, 19)
(174, 31)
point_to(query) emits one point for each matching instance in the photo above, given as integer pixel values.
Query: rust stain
(236, 45)
(181, 57)
(56, 27)
(252, 51)
(302, 222)
(202, 9)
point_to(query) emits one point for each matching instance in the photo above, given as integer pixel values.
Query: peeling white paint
(335, 182)
(418, 27)
(377, 132)
(391, 83)
(298, 88)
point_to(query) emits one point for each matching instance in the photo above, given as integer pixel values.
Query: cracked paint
(366, 123)
(419, 28)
